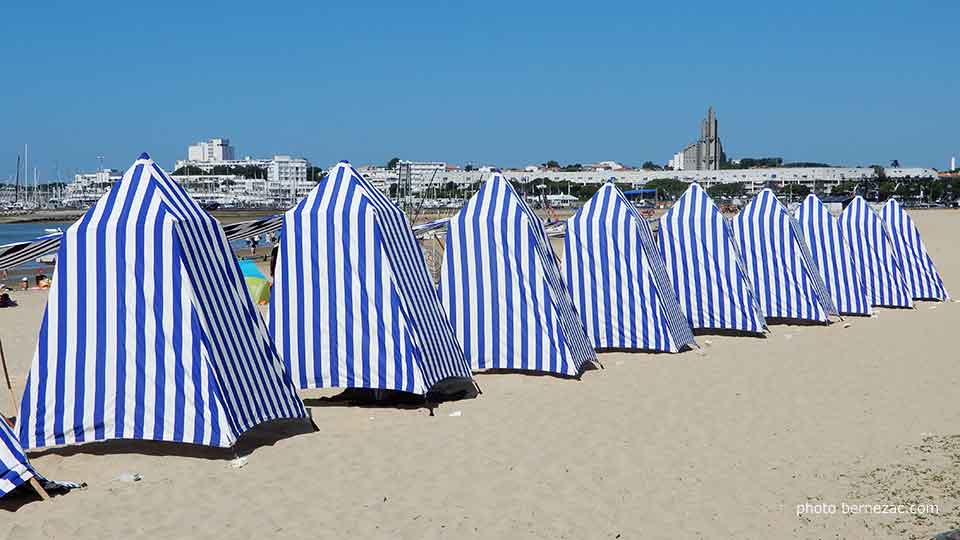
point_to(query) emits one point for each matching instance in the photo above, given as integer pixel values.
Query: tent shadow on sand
(23, 496)
(261, 436)
(594, 365)
(789, 321)
(635, 351)
(374, 398)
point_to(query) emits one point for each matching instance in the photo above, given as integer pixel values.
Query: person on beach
(273, 260)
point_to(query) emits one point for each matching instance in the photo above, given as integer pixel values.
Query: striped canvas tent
(705, 267)
(617, 279)
(832, 256)
(500, 286)
(15, 469)
(353, 304)
(923, 280)
(778, 261)
(874, 255)
(149, 331)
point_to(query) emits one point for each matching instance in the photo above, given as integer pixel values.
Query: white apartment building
(285, 177)
(676, 162)
(288, 176)
(211, 150)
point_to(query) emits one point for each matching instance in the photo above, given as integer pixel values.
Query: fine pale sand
(724, 442)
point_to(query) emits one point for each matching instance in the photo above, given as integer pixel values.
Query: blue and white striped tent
(785, 280)
(15, 469)
(617, 279)
(874, 255)
(149, 331)
(832, 256)
(501, 288)
(705, 267)
(353, 304)
(923, 280)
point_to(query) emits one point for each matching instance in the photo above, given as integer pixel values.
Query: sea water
(21, 232)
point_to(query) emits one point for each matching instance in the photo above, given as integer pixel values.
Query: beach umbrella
(257, 284)
(353, 305)
(785, 280)
(617, 279)
(922, 279)
(149, 331)
(501, 288)
(832, 256)
(705, 267)
(874, 255)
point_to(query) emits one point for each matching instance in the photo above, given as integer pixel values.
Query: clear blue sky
(509, 83)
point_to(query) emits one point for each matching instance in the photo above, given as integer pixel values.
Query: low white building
(87, 188)
(607, 166)
(910, 173)
(208, 165)
(819, 178)
(284, 177)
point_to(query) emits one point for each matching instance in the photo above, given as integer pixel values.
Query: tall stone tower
(706, 154)
(711, 148)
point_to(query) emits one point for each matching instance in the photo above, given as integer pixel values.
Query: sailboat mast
(16, 185)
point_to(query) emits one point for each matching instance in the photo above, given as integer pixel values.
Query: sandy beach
(721, 442)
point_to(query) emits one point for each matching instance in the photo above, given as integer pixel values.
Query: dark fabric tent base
(795, 322)
(452, 389)
(728, 332)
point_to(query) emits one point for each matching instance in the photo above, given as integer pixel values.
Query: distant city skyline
(500, 83)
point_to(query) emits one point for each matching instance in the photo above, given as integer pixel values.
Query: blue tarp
(249, 269)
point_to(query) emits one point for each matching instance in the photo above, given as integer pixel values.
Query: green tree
(315, 174)
(847, 187)
(552, 164)
(793, 192)
(392, 164)
(667, 187)
(763, 163)
(651, 166)
(805, 164)
(735, 189)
